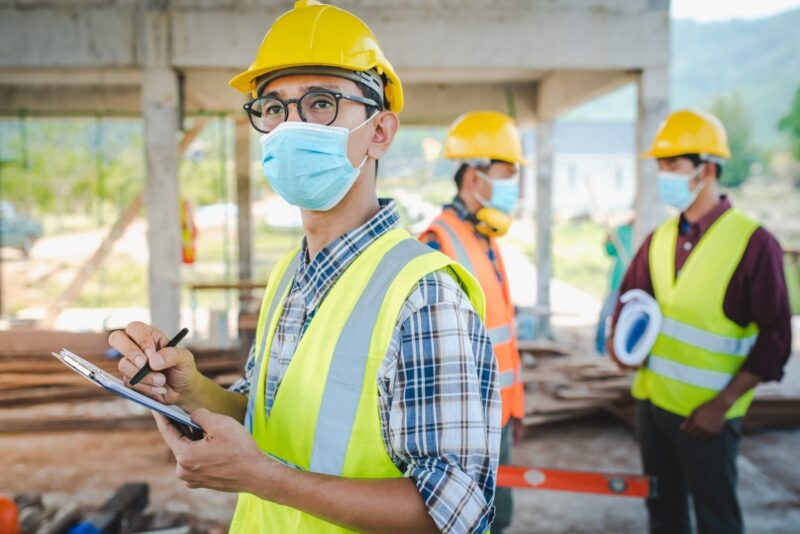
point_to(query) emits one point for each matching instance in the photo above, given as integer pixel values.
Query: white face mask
(307, 163)
(674, 188)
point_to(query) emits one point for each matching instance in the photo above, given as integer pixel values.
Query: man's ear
(469, 178)
(386, 125)
(709, 171)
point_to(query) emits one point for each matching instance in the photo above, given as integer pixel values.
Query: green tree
(734, 115)
(791, 125)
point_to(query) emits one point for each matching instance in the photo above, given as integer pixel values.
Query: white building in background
(594, 168)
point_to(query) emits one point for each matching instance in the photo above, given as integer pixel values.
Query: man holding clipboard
(370, 400)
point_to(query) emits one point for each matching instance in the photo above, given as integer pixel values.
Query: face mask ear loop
(482, 201)
(695, 177)
(362, 124)
(366, 156)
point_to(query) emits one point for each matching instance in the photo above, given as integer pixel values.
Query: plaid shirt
(438, 396)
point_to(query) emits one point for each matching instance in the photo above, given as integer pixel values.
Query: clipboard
(177, 416)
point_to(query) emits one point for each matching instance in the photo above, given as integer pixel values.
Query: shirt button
(291, 338)
(687, 245)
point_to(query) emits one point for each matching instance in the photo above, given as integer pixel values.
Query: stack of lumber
(560, 385)
(41, 379)
(30, 377)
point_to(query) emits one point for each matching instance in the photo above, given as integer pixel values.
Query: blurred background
(131, 189)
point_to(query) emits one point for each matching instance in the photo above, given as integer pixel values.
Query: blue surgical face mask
(674, 188)
(505, 193)
(307, 164)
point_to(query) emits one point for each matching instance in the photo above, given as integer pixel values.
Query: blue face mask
(674, 190)
(307, 164)
(505, 193)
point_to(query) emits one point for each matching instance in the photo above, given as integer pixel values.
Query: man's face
(686, 167)
(351, 114)
(497, 171)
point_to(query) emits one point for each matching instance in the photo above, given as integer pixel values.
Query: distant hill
(759, 59)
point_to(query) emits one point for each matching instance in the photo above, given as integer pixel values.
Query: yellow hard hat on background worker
(484, 135)
(478, 138)
(689, 131)
(315, 35)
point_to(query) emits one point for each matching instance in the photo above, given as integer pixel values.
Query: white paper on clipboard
(113, 384)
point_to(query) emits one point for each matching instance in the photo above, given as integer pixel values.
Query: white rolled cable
(637, 327)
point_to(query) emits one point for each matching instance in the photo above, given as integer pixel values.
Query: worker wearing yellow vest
(487, 145)
(370, 399)
(717, 276)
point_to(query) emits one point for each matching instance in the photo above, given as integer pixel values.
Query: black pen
(141, 373)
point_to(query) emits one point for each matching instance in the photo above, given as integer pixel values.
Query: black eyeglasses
(319, 106)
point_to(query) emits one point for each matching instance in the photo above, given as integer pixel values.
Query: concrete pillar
(652, 108)
(544, 220)
(160, 113)
(243, 198)
(160, 110)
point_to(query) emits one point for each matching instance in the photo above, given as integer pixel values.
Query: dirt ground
(88, 466)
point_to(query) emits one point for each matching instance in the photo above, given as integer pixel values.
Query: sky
(719, 10)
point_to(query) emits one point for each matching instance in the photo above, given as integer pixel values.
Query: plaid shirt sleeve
(439, 389)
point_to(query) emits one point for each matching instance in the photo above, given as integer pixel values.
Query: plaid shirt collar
(457, 205)
(315, 278)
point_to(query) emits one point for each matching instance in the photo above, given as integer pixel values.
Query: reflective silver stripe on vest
(706, 340)
(703, 378)
(506, 379)
(461, 252)
(340, 400)
(499, 334)
(287, 277)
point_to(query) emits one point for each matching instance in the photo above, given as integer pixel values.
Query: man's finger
(171, 435)
(129, 369)
(154, 392)
(203, 417)
(171, 357)
(147, 337)
(127, 347)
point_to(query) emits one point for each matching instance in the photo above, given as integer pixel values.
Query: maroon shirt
(756, 294)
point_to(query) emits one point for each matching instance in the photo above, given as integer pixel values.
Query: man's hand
(174, 372)
(613, 355)
(518, 429)
(707, 420)
(224, 460)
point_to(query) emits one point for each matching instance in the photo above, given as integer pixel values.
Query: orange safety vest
(458, 240)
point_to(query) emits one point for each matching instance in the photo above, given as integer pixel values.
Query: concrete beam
(563, 90)
(653, 107)
(614, 34)
(437, 104)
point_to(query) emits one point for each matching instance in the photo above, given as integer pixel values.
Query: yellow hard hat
(484, 135)
(689, 131)
(318, 35)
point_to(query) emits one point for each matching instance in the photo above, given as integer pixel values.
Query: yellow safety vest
(325, 418)
(699, 349)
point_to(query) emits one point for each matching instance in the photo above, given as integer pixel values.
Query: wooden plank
(67, 424)
(37, 342)
(577, 394)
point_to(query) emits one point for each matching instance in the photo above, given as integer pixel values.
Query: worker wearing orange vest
(488, 146)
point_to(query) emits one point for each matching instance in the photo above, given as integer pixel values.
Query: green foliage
(733, 114)
(758, 59)
(70, 166)
(790, 124)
